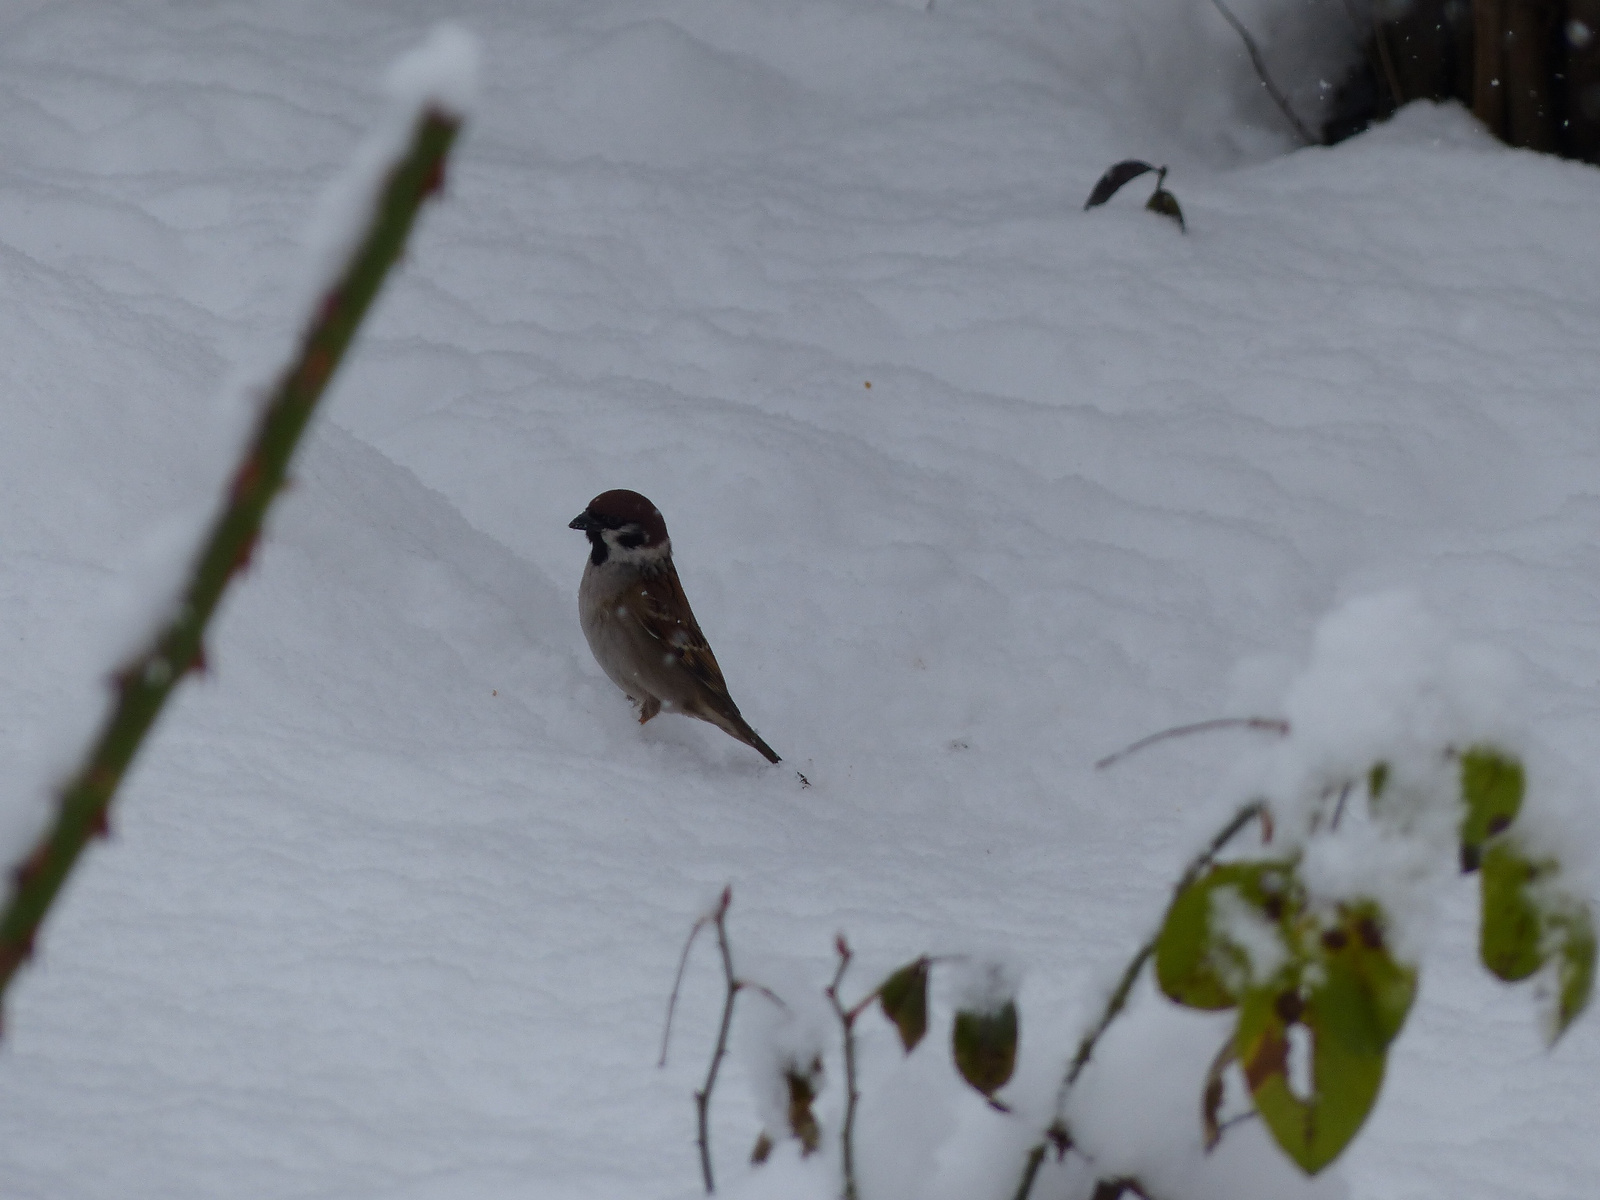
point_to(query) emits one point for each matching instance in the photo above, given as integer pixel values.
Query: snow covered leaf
(1364, 993)
(1109, 183)
(1312, 1115)
(1527, 924)
(1491, 796)
(1349, 997)
(1164, 202)
(984, 1045)
(1512, 931)
(1574, 938)
(1202, 962)
(904, 999)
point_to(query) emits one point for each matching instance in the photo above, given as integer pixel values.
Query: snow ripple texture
(395, 895)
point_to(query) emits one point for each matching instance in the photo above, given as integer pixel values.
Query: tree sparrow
(638, 621)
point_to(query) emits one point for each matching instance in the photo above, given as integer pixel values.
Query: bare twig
(702, 1098)
(1267, 724)
(1255, 810)
(683, 963)
(1119, 997)
(1338, 810)
(847, 1020)
(1261, 73)
(144, 683)
(1030, 1171)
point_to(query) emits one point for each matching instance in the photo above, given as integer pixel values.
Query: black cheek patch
(633, 538)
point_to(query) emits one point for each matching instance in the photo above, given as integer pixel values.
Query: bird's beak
(582, 521)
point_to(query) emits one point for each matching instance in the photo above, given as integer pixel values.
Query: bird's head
(624, 527)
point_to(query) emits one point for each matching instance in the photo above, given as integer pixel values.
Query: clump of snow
(441, 73)
(1387, 684)
(982, 985)
(1241, 925)
(784, 1028)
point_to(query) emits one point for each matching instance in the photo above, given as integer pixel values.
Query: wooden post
(1581, 39)
(1489, 64)
(1529, 83)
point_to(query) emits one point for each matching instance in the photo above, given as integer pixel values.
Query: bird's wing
(658, 603)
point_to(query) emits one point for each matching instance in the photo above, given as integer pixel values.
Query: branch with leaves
(1306, 973)
(144, 683)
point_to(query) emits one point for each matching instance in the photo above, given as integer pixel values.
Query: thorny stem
(1268, 724)
(1255, 810)
(847, 1021)
(1030, 1170)
(144, 683)
(1260, 65)
(702, 1098)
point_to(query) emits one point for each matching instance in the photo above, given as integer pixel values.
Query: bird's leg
(648, 707)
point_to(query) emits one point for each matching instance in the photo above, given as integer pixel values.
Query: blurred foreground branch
(144, 683)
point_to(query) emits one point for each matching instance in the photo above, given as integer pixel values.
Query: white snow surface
(396, 893)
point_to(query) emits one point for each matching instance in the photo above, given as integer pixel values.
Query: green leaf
(1573, 933)
(1365, 993)
(1377, 779)
(984, 1046)
(1351, 996)
(1510, 939)
(1345, 1079)
(1492, 786)
(1200, 966)
(904, 999)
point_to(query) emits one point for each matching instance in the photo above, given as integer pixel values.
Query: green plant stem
(1119, 997)
(144, 684)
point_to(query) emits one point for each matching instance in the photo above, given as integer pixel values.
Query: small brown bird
(639, 623)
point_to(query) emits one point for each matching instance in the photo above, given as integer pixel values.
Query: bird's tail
(751, 738)
(740, 728)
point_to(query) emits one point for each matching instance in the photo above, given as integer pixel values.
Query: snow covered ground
(396, 893)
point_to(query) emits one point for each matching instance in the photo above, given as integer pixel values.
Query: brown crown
(620, 507)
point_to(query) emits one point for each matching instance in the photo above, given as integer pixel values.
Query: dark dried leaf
(1211, 1098)
(984, 1045)
(904, 998)
(762, 1151)
(1113, 179)
(802, 1121)
(1164, 202)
